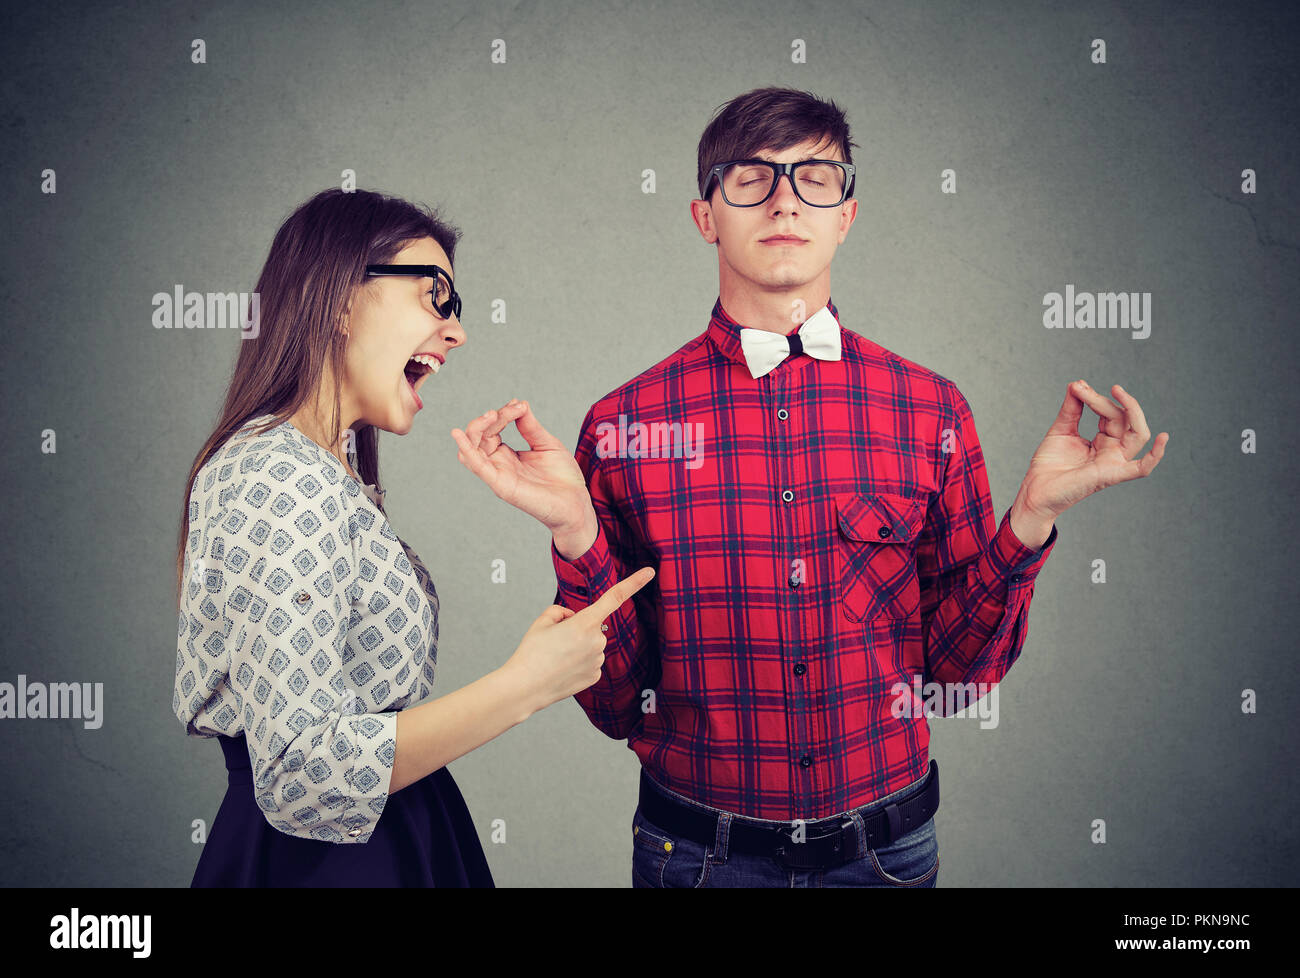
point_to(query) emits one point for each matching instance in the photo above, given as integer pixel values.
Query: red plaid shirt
(815, 548)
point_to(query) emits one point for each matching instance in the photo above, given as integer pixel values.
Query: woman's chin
(402, 424)
(403, 419)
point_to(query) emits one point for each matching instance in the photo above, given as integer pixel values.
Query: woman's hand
(563, 650)
(545, 481)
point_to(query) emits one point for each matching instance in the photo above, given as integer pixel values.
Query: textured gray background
(1125, 702)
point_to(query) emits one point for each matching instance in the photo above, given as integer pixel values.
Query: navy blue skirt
(425, 837)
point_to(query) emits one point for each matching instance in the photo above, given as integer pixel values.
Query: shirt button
(884, 532)
(805, 761)
(1015, 577)
(302, 597)
(354, 833)
(783, 414)
(788, 496)
(579, 590)
(800, 669)
(794, 581)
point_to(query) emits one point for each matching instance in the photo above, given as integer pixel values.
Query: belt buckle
(800, 855)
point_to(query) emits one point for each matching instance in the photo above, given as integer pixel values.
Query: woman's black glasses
(446, 300)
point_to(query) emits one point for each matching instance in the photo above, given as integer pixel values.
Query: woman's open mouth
(417, 368)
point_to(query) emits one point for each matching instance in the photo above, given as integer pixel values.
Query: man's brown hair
(770, 118)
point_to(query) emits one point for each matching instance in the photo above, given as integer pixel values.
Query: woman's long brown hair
(316, 263)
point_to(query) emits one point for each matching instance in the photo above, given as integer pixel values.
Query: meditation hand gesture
(1067, 467)
(544, 481)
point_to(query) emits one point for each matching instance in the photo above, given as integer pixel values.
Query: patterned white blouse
(305, 621)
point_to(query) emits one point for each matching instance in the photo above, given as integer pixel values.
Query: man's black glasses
(446, 300)
(748, 183)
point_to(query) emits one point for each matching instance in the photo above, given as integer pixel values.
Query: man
(818, 515)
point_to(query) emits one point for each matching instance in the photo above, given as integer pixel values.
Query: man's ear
(702, 215)
(847, 216)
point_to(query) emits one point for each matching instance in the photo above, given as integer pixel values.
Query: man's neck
(773, 311)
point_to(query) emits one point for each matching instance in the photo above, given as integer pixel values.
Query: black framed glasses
(445, 298)
(748, 183)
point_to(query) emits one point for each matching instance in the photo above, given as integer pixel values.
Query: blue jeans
(664, 859)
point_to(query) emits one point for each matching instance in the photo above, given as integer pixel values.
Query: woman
(307, 627)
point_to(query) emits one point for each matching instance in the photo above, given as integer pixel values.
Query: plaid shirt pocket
(877, 555)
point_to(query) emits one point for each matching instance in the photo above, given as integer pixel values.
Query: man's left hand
(1067, 468)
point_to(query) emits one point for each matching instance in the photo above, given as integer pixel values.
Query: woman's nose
(453, 332)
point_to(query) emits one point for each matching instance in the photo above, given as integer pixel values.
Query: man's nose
(785, 196)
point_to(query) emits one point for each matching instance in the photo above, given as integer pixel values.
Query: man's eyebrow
(803, 160)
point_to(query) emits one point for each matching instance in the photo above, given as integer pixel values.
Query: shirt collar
(724, 332)
(372, 490)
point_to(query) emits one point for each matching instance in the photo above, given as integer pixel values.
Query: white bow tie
(818, 337)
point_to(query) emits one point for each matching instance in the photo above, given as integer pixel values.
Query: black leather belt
(826, 842)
